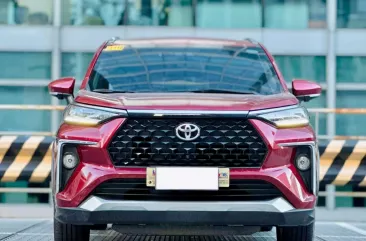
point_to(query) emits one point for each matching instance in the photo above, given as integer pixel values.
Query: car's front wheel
(69, 232)
(266, 228)
(298, 233)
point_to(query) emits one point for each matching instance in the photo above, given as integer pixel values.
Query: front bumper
(276, 212)
(96, 166)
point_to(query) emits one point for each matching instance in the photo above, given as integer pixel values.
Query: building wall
(321, 40)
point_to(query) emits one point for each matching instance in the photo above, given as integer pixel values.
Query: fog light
(70, 160)
(303, 163)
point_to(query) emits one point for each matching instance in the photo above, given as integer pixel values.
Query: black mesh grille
(153, 142)
(136, 189)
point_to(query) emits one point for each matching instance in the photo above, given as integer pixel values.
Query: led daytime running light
(85, 116)
(289, 118)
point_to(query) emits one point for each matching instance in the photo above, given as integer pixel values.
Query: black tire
(99, 227)
(69, 232)
(266, 228)
(300, 233)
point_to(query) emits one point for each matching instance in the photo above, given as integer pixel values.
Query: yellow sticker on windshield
(114, 48)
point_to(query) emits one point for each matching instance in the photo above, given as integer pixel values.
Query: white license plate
(187, 178)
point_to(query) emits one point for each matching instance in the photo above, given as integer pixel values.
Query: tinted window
(25, 65)
(183, 69)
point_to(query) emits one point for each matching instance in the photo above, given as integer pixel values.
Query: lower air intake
(136, 189)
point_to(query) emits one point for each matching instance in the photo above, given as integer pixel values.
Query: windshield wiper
(221, 91)
(107, 91)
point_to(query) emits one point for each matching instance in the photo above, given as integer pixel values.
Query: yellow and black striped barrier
(25, 158)
(343, 162)
(28, 158)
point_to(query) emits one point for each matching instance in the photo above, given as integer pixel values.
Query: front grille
(153, 142)
(136, 189)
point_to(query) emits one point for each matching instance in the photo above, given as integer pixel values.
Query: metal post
(331, 65)
(56, 59)
(330, 197)
(331, 86)
(50, 202)
(56, 69)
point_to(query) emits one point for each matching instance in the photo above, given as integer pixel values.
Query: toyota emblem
(187, 131)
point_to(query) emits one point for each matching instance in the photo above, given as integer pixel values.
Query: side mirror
(63, 88)
(305, 90)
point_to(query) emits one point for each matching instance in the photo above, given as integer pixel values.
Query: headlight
(296, 117)
(79, 115)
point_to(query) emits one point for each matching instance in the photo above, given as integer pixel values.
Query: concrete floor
(42, 230)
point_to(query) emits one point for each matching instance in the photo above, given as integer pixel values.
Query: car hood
(186, 101)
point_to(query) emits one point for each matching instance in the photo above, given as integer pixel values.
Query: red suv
(180, 136)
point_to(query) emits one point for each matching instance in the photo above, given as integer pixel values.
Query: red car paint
(186, 101)
(304, 87)
(64, 85)
(96, 166)
(278, 167)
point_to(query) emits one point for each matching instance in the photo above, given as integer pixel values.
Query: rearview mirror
(63, 88)
(305, 90)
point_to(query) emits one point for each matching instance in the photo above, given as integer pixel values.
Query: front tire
(99, 227)
(300, 233)
(69, 232)
(266, 228)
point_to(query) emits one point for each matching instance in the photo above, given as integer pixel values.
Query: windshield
(211, 69)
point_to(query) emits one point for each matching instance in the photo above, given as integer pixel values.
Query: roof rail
(252, 40)
(113, 39)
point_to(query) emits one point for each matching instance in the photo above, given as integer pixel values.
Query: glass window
(351, 69)
(137, 12)
(175, 13)
(28, 120)
(192, 68)
(302, 67)
(290, 14)
(229, 14)
(351, 14)
(25, 65)
(75, 64)
(351, 124)
(94, 12)
(29, 12)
